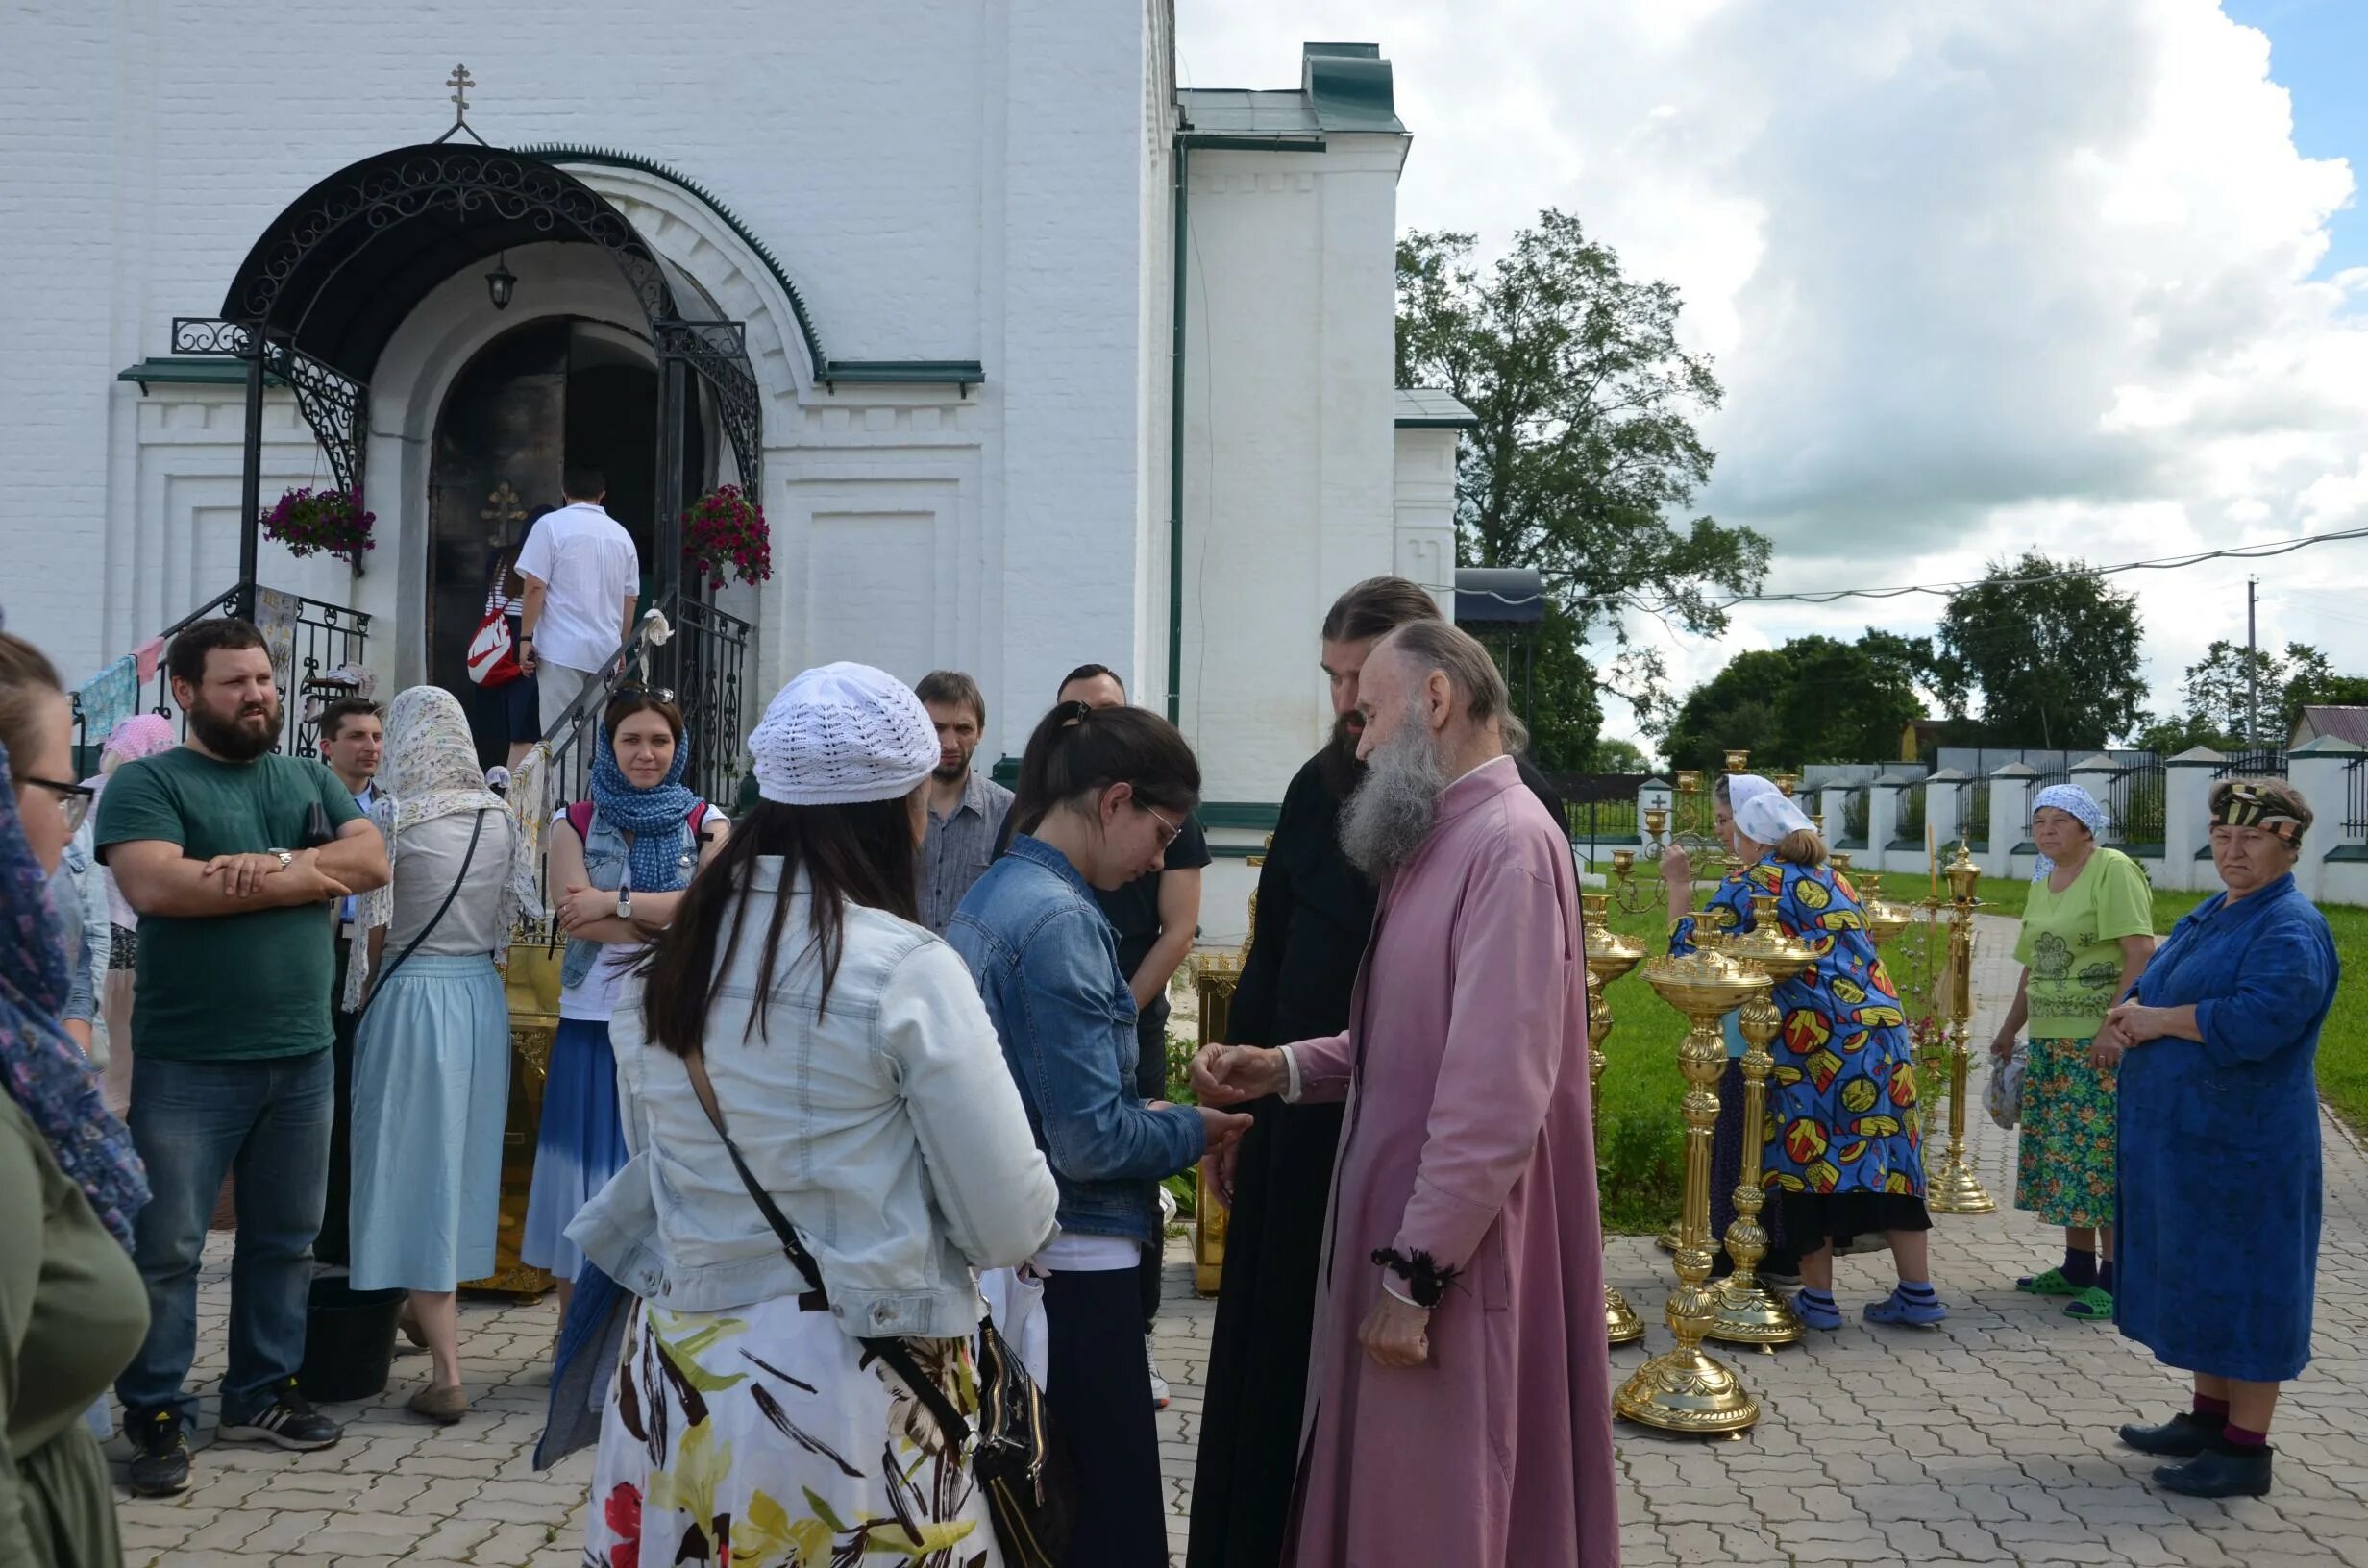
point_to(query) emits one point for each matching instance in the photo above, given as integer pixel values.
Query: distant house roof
(2342, 723)
(1344, 89)
(1430, 408)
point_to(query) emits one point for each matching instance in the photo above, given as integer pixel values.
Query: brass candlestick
(1786, 782)
(1687, 1389)
(1610, 954)
(1746, 1311)
(1739, 762)
(1955, 1188)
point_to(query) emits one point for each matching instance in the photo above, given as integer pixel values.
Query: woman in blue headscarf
(618, 866)
(2220, 1145)
(73, 1311)
(2087, 932)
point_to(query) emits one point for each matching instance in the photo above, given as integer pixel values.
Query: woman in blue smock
(2219, 1153)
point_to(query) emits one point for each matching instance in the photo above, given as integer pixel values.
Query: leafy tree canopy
(1813, 700)
(2053, 663)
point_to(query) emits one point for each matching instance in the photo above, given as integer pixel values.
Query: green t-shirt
(227, 988)
(2071, 943)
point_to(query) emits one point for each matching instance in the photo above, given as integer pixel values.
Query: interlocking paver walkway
(1986, 1440)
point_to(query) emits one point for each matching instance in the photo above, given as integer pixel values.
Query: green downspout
(1175, 449)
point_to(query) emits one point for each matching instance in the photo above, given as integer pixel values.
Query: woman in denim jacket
(1109, 788)
(614, 881)
(855, 1072)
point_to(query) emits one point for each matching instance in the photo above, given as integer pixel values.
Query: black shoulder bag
(1020, 1461)
(378, 984)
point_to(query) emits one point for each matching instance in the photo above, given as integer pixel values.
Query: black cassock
(1315, 915)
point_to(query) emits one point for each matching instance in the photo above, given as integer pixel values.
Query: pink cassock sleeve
(1505, 1049)
(1323, 1065)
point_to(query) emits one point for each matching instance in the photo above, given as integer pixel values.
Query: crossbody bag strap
(476, 829)
(895, 1352)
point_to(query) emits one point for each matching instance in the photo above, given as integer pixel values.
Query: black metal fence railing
(2140, 803)
(2356, 798)
(1973, 816)
(1600, 810)
(1915, 811)
(1853, 833)
(2269, 762)
(317, 647)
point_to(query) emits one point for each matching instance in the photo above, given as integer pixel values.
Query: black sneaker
(2182, 1437)
(159, 1453)
(2219, 1471)
(288, 1421)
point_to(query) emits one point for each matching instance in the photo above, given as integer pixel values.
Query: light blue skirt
(581, 1147)
(430, 1094)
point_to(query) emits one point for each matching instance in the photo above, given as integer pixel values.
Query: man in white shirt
(583, 576)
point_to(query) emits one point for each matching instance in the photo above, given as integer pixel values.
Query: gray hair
(1425, 646)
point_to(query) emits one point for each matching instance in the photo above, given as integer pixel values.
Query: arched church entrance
(548, 393)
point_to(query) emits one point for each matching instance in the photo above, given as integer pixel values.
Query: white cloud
(1979, 274)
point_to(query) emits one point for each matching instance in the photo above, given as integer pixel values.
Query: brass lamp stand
(1685, 1389)
(1747, 1313)
(1609, 955)
(1955, 1188)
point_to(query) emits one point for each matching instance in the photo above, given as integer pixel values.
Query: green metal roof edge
(1351, 88)
(191, 370)
(1224, 141)
(1437, 421)
(932, 372)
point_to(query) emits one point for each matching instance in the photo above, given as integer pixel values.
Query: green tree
(2310, 679)
(1813, 700)
(1586, 461)
(2054, 662)
(1613, 755)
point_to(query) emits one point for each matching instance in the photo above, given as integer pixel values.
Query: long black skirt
(1727, 1170)
(1099, 1389)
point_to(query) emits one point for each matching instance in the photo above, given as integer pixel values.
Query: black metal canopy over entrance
(336, 274)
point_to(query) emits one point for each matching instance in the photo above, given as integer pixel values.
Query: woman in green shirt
(72, 1308)
(2087, 933)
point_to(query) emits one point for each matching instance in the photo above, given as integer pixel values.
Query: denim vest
(1047, 963)
(606, 855)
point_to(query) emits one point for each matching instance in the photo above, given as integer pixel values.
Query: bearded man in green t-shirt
(233, 856)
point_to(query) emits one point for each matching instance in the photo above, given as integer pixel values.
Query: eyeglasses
(1174, 828)
(73, 800)
(660, 693)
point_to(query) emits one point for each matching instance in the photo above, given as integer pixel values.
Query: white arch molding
(436, 341)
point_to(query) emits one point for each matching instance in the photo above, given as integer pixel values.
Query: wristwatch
(288, 857)
(624, 903)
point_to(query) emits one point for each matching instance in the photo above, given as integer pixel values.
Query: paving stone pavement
(1986, 1440)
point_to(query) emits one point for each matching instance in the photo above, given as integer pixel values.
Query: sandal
(2054, 1283)
(2094, 1305)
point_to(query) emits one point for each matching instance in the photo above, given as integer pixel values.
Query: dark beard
(1338, 761)
(947, 775)
(229, 738)
(1393, 810)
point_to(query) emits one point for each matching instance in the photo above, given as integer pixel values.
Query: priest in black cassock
(1314, 913)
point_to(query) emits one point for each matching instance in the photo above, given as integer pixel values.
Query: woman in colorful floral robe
(1843, 1153)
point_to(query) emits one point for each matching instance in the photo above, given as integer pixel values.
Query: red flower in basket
(724, 535)
(315, 522)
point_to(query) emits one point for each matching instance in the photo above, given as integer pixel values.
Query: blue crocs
(1911, 1303)
(1817, 1309)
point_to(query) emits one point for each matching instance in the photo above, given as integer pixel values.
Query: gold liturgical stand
(534, 985)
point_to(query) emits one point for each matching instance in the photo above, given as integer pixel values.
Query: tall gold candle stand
(1685, 1389)
(1746, 1313)
(1955, 1188)
(1610, 954)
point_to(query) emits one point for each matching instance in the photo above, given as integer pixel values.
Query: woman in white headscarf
(432, 1056)
(1845, 1155)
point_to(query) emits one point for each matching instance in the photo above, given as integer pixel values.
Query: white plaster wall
(1291, 446)
(1424, 543)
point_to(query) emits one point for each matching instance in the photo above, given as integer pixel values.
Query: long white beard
(1392, 811)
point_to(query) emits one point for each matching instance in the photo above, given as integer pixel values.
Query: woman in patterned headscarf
(72, 1308)
(432, 1054)
(2220, 1144)
(2087, 932)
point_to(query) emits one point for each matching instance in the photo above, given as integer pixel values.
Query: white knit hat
(843, 734)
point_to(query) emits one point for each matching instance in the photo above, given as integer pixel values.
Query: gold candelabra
(1745, 1311)
(1610, 954)
(1685, 1389)
(1687, 823)
(1955, 1188)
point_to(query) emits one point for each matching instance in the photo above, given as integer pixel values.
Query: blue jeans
(266, 1122)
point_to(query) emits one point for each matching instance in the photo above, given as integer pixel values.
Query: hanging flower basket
(724, 535)
(322, 521)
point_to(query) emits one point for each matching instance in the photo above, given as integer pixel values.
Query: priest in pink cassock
(1459, 1396)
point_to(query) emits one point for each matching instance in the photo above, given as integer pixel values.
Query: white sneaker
(1159, 1388)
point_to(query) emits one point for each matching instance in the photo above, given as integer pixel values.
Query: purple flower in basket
(316, 521)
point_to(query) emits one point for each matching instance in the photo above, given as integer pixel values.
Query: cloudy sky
(1978, 275)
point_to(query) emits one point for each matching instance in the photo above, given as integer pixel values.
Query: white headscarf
(2074, 802)
(1762, 813)
(431, 772)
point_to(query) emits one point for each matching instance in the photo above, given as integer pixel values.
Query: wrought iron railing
(2268, 762)
(1973, 817)
(2356, 798)
(324, 640)
(2139, 803)
(1600, 810)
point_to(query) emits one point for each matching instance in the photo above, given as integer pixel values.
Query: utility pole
(2253, 669)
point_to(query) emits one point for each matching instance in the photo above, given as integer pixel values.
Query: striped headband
(2246, 806)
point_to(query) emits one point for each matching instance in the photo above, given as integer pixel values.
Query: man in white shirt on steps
(583, 576)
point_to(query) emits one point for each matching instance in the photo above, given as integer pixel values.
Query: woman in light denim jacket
(856, 1073)
(1108, 789)
(646, 835)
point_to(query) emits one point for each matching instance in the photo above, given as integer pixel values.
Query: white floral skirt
(765, 1437)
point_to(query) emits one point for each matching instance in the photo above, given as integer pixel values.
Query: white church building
(1032, 358)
